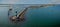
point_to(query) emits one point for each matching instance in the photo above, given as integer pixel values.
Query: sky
(29, 1)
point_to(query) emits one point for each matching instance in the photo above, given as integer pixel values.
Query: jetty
(20, 15)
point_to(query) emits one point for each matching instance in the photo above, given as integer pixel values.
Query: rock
(13, 18)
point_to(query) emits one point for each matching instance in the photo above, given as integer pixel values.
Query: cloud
(9, 1)
(55, 1)
(30, 2)
(13, 1)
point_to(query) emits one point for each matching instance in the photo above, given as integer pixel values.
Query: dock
(21, 14)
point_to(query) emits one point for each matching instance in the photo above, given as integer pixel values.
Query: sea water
(43, 17)
(34, 17)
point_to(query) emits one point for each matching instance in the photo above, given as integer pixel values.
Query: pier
(20, 16)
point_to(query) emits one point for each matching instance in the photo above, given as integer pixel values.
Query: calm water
(37, 17)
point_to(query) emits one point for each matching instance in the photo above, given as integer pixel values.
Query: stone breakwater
(20, 16)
